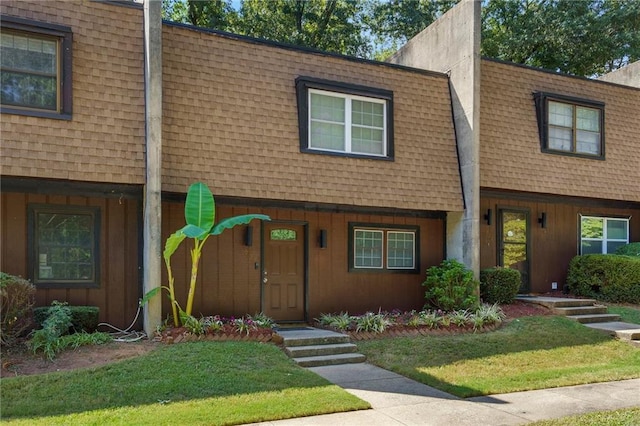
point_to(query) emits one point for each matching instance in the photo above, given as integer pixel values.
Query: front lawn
(628, 313)
(187, 383)
(527, 353)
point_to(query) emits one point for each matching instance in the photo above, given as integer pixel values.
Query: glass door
(513, 242)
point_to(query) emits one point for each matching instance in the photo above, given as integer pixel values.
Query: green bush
(450, 287)
(607, 277)
(83, 318)
(17, 297)
(631, 249)
(499, 285)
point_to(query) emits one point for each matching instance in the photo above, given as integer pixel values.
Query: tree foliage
(585, 37)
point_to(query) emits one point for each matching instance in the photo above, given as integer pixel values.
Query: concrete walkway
(397, 400)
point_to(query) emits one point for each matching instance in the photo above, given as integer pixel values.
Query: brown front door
(283, 275)
(513, 242)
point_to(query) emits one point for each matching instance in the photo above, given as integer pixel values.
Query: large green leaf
(200, 210)
(172, 243)
(230, 222)
(193, 231)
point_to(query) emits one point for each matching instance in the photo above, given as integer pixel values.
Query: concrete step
(633, 334)
(317, 361)
(585, 319)
(319, 340)
(580, 310)
(319, 350)
(557, 302)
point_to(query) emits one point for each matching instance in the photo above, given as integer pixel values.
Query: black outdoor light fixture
(248, 236)
(322, 238)
(542, 220)
(488, 216)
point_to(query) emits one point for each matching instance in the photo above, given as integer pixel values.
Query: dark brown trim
(542, 108)
(125, 3)
(68, 187)
(383, 227)
(65, 36)
(303, 84)
(558, 199)
(314, 207)
(32, 211)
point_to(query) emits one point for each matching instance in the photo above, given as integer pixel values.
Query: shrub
(499, 285)
(631, 249)
(608, 277)
(83, 318)
(17, 298)
(371, 322)
(54, 326)
(450, 287)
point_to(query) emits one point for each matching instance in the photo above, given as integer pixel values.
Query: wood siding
(229, 281)
(117, 296)
(553, 247)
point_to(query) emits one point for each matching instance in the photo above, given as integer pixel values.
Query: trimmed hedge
(608, 277)
(631, 249)
(450, 287)
(499, 285)
(83, 318)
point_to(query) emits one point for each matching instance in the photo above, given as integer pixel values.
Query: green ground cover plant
(628, 313)
(622, 417)
(527, 353)
(187, 383)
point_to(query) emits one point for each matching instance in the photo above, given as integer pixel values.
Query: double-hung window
(35, 63)
(602, 234)
(63, 246)
(344, 119)
(570, 126)
(383, 248)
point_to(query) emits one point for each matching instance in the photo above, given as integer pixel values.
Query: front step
(557, 302)
(313, 347)
(587, 319)
(320, 350)
(317, 361)
(580, 310)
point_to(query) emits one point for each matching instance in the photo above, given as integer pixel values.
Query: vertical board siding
(553, 247)
(229, 280)
(117, 296)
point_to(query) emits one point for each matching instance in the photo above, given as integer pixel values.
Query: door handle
(264, 280)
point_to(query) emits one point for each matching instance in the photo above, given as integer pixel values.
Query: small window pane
(612, 246)
(617, 229)
(588, 119)
(367, 249)
(327, 136)
(591, 247)
(592, 227)
(587, 142)
(327, 108)
(560, 139)
(283, 234)
(560, 114)
(400, 250)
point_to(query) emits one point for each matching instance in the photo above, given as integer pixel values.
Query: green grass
(527, 353)
(622, 417)
(186, 383)
(628, 313)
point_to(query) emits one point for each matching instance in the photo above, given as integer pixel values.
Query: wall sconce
(248, 236)
(542, 220)
(322, 238)
(488, 216)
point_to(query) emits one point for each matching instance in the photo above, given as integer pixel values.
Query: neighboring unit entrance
(283, 273)
(513, 242)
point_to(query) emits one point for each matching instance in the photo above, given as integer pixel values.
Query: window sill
(35, 113)
(345, 154)
(573, 154)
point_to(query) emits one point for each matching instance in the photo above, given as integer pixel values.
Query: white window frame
(348, 124)
(384, 250)
(604, 238)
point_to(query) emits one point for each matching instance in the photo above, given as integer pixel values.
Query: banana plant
(199, 213)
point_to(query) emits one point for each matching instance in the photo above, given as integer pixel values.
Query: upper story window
(570, 126)
(35, 61)
(603, 234)
(63, 246)
(342, 119)
(383, 248)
